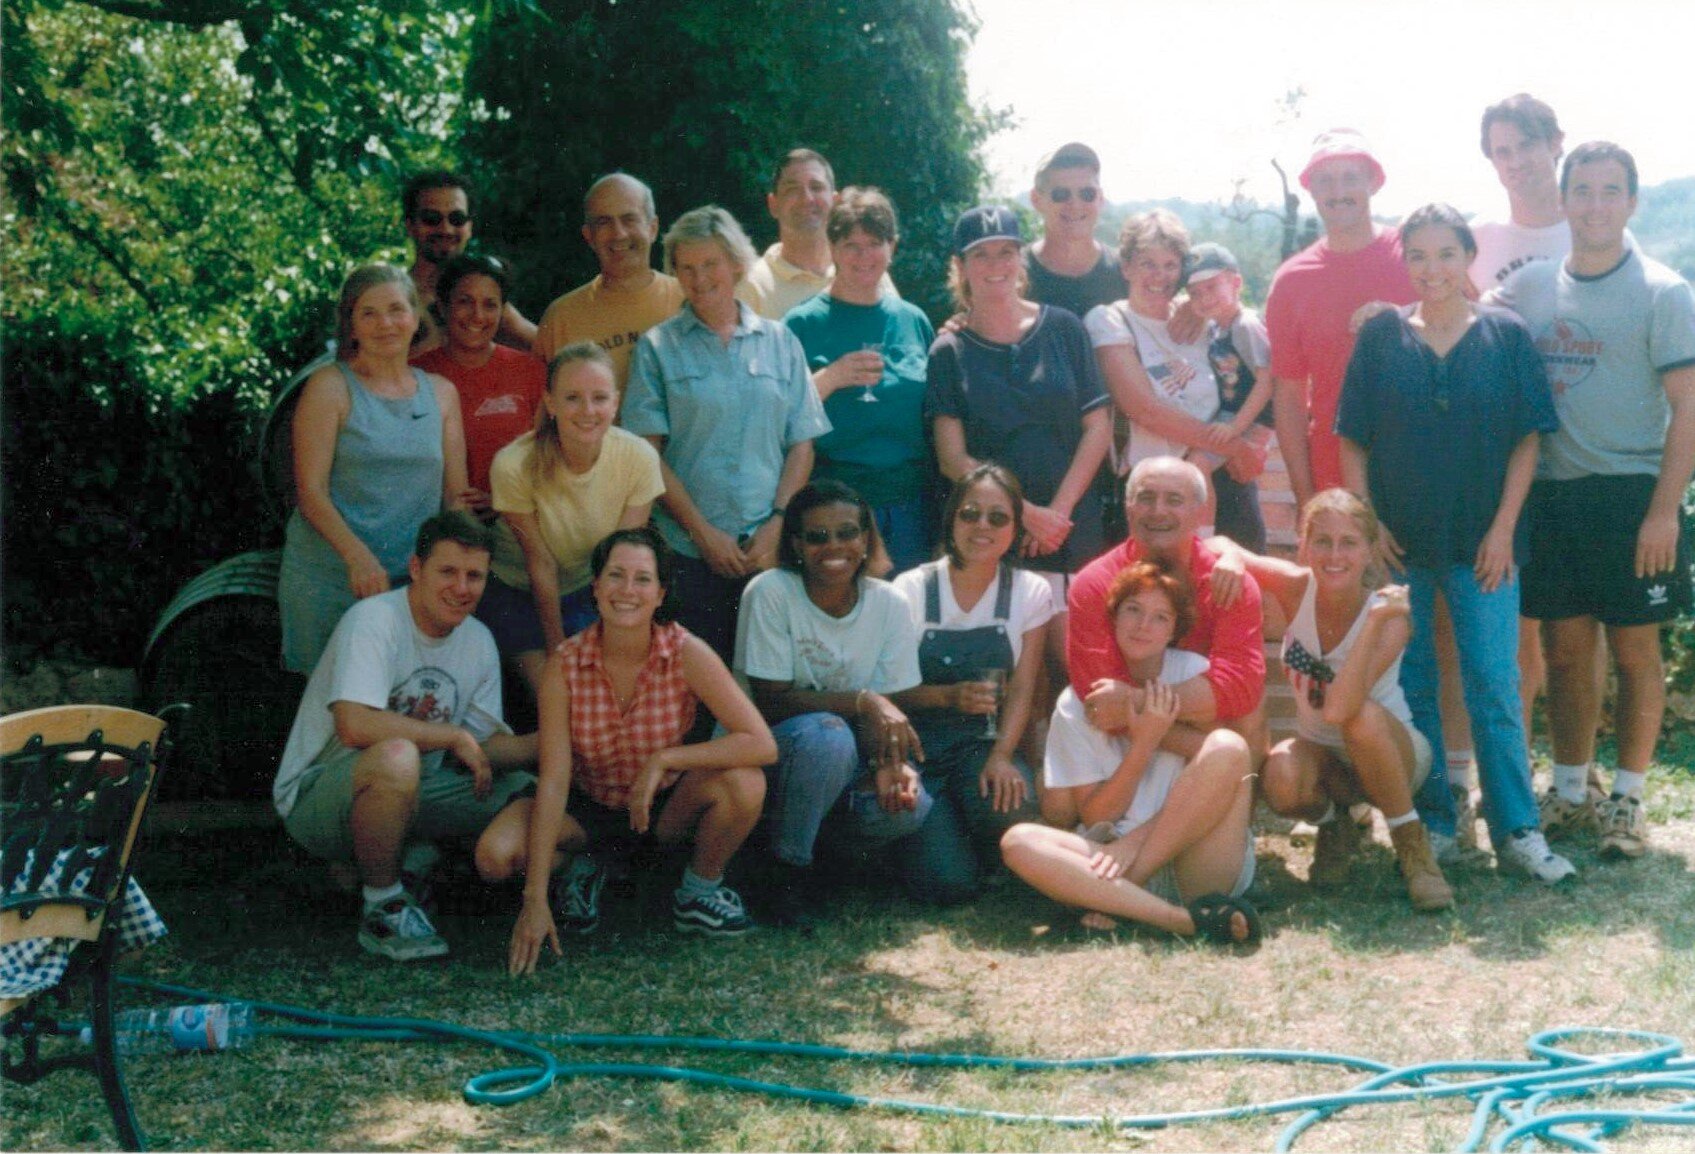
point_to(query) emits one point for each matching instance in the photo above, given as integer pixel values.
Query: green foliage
(1664, 224)
(700, 100)
(186, 192)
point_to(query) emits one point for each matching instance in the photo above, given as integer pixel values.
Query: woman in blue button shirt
(725, 397)
(1441, 414)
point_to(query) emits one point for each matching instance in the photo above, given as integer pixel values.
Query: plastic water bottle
(219, 1026)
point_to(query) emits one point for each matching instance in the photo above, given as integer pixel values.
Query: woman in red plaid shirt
(616, 701)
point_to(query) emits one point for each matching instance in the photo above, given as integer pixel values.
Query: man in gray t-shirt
(1617, 333)
(399, 736)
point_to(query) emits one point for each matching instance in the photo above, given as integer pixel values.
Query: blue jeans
(960, 840)
(902, 528)
(817, 764)
(1486, 632)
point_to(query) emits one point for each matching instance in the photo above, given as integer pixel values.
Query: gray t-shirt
(1605, 341)
(377, 657)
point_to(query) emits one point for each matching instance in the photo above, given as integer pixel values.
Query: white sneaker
(399, 929)
(1527, 853)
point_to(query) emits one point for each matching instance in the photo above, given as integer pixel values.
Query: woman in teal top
(378, 449)
(869, 352)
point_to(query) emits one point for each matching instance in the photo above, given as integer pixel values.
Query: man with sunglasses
(437, 208)
(1068, 268)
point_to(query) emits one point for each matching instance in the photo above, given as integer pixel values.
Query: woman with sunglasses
(1164, 388)
(1354, 736)
(1017, 385)
(981, 628)
(378, 450)
(825, 649)
(1441, 413)
(499, 387)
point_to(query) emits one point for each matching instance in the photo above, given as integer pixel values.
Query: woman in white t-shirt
(825, 649)
(1164, 390)
(981, 628)
(558, 491)
(1149, 831)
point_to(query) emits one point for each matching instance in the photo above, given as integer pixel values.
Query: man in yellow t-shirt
(628, 297)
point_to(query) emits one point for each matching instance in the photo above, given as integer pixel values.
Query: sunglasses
(1088, 194)
(431, 217)
(997, 518)
(842, 535)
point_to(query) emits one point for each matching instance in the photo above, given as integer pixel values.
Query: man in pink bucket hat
(1313, 298)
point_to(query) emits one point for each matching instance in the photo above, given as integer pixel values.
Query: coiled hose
(1549, 1097)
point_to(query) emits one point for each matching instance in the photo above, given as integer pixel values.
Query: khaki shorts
(322, 817)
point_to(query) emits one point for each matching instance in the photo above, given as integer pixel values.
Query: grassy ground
(1356, 973)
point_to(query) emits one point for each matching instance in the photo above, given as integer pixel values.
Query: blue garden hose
(1524, 1097)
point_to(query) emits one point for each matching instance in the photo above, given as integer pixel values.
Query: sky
(1181, 98)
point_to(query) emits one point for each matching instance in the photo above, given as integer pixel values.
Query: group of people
(672, 505)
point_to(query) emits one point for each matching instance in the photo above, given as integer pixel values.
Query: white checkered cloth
(36, 964)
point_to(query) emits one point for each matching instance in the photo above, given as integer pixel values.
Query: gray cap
(1207, 260)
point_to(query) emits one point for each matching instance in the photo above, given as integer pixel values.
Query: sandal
(1212, 914)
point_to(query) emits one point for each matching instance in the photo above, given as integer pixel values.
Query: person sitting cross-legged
(1154, 836)
(399, 735)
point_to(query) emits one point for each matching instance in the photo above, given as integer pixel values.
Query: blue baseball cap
(984, 223)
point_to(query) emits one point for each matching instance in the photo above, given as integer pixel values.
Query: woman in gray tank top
(378, 448)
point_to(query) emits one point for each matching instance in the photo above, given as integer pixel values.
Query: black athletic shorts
(1583, 554)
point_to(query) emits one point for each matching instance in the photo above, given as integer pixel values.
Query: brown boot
(1333, 852)
(1426, 886)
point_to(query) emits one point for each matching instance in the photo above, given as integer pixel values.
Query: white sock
(1462, 770)
(377, 895)
(1329, 814)
(1571, 781)
(1397, 822)
(1628, 784)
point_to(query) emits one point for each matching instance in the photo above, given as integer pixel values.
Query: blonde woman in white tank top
(1355, 738)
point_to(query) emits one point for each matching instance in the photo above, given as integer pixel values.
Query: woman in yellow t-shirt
(558, 491)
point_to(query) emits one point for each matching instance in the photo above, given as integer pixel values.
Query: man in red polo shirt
(1164, 501)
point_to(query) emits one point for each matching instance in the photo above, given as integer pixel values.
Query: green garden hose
(1548, 1097)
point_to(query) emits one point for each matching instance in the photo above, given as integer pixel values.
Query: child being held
(1240, 354)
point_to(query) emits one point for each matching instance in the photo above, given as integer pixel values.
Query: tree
(700, 99)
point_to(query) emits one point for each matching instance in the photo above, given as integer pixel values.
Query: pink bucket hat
(1341, 143)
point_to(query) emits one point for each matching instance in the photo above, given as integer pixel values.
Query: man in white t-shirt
(1521, 137)
(399, 735)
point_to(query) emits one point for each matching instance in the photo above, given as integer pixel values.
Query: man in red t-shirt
(1309, 312)
(1163, 503)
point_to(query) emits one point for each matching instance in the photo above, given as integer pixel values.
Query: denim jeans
(944, 864)
(1486, 632)
(904, 534)
(817, 764)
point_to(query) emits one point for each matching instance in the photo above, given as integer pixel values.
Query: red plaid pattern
(609, 745)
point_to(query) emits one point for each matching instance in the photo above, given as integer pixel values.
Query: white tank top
(1311, 671)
